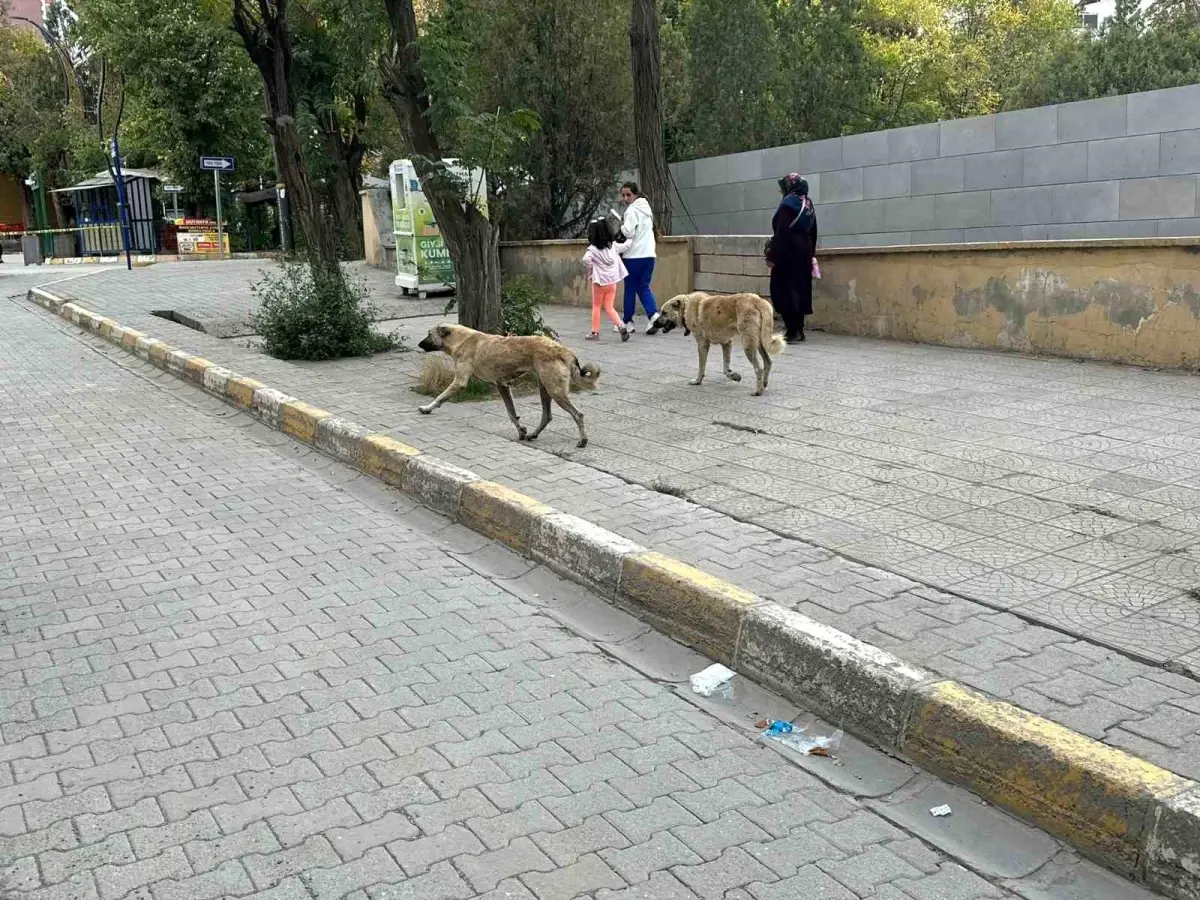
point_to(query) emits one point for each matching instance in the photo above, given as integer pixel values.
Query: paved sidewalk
(232, 668)
(1026, 526)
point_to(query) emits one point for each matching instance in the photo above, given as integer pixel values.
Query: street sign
(217, 164)
(172, 189)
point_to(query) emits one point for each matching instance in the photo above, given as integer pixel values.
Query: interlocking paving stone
(907, 454)
(97, 458)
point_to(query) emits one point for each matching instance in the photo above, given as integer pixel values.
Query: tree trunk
(478, 276)
(346, 151)
(263, 28)
(472, 240)
(347, 182)
(646, 58)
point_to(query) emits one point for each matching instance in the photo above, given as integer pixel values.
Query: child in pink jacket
(605, 270)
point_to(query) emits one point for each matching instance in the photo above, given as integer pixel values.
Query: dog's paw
(522, 434)
(733, 376)
(757, 393)
(424, 410)
(582, 443)
(696, 381)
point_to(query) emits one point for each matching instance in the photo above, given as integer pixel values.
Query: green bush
(521, 301)
(313, 314)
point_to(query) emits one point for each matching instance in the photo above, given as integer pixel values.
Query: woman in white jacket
(639, 251)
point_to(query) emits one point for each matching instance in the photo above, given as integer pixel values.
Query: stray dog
(501, 360)
(717, 319)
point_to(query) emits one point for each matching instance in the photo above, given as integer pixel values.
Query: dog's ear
(443, 331)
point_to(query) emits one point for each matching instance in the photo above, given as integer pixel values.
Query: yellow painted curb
(240, 391)
(158, 354)
(501, 513)
(106, 327)
(386, 459)
(195, 367)
(300, 420)
(130, 338)
(1098, 798)
(697, 607)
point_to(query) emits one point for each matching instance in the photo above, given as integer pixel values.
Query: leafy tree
(430, 82)
(337, 81)
(267, 36)
(733, 71)
(191, 89)
(1133, 51)
(561, 60)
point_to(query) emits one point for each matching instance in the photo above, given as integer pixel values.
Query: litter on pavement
(795, 737)
(714, 682)
(939, 811)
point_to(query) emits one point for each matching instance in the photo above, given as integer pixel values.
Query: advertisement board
(423, 262)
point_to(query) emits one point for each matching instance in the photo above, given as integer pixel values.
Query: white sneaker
(628, 328)
(653, 326)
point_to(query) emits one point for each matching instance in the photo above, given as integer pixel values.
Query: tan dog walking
(502, 360)
(718, 319)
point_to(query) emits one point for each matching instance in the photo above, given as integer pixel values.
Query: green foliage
(539, 93)
(1133, 51)
(311, 313)
(521, 301)
(190, 88)
(742, 74)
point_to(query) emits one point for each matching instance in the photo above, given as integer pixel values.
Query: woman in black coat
(790, 255)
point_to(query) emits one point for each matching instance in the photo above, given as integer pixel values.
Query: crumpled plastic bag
(715, 681)
(796, 737)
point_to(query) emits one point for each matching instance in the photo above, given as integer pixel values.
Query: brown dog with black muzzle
(502, 360)
(718, 319)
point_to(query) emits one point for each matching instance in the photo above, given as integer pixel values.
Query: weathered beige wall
(1130, 301)
(379, 238)
(557, 264)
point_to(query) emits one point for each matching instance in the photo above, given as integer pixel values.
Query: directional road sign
(217, 164)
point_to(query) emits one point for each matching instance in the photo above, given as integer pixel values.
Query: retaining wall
(557, 265)
(1129, 301)
(1122, 166)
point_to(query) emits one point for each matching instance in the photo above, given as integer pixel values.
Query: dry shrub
(438, 371)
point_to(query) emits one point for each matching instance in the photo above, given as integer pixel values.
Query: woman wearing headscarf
(790, 255)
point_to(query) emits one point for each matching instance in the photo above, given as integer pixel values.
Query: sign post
(119, 180)
(217, 165)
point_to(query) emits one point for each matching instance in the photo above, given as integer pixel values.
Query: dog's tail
(584, 375)
(774, 343)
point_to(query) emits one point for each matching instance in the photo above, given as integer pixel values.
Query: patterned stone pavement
(1024, 525)
(232, 668)
(227, 311)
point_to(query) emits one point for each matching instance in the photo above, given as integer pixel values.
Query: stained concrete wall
(1122, 166)
(558, 265)
(379, 233)
(1132, 301)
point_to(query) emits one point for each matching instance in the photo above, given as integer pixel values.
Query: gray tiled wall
(1117, 167)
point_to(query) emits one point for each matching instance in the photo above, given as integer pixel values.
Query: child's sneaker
(629, 327)
(594, 336)
(624, 334)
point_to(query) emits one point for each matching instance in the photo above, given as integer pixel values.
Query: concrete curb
(1123, 812)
